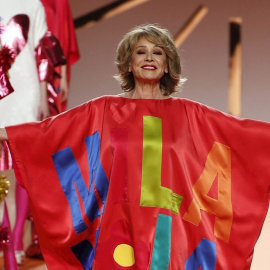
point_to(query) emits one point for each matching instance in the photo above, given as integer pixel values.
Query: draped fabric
(122, 183)
(60, 23)
(49, 55)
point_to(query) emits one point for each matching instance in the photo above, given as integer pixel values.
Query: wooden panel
(235, 67)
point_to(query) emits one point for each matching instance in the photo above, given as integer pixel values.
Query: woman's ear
(129, 67)
(166, 70)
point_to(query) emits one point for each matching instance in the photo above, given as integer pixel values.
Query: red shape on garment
(119, 178)
(121, 114)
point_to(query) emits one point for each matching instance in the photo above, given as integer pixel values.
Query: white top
(22, 105)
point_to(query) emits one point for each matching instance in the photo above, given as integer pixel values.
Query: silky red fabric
(189, 132)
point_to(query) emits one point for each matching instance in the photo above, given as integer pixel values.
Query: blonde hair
(170, 82)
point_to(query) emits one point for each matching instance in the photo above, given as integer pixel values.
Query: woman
(145, 180)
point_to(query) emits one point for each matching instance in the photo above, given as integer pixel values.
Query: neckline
(144, 99)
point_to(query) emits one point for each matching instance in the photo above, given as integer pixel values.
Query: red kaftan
(145, 184)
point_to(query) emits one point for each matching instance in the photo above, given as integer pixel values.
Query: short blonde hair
(170, 82)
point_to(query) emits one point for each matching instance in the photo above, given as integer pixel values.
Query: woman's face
(148, 62)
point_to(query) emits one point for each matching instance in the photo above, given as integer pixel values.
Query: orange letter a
(218, 164)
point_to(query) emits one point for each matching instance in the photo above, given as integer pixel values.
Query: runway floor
(29, 264)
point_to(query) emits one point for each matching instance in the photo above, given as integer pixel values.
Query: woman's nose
(149, 57)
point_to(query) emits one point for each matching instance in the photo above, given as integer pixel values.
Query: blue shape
(84, 253)
(162, 244)
(204, 255)
(69, 175)
(97, 236)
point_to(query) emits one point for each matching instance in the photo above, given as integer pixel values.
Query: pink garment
(5, 160)
(22, 203)
(49, 55)
(9, 258)
(13, 38)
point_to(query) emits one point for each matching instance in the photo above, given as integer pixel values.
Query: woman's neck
(145, 92)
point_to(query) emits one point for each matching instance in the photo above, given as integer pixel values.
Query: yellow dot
(124, 255)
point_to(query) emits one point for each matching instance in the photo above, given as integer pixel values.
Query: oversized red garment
(188, 186)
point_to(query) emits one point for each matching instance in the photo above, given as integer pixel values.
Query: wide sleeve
(39, 151)
(246, 164)
(227, 168)
(248, 140)
(33, 144)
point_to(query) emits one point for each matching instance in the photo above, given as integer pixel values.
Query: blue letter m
(69, 175)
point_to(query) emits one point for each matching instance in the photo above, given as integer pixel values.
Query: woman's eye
(158, 53)
(140, 52)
